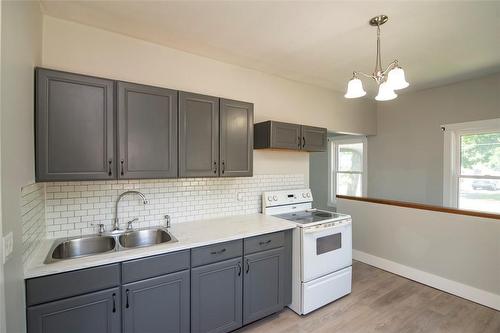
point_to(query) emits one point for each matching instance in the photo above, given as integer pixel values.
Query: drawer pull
(127, 305)
(114, 302)
(218, 252)
(265, 243)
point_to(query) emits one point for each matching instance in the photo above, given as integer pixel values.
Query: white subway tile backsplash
(73, 207)
(33, 217)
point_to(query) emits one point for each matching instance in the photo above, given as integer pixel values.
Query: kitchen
(204, 194)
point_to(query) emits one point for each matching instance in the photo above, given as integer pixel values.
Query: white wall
(79, 48)
(21, 51)
(457, 253)
(405, 158)
(2, 294)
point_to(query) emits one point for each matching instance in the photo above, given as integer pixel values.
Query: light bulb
(385, 92)
(355, 88)
(396, 79)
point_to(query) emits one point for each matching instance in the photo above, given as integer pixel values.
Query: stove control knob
(269, 198)
(308, 194)
(275, 198)
(303, 195)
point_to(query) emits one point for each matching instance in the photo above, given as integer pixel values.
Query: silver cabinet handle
(218, 252)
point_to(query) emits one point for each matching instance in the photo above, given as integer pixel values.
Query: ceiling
(319, 43)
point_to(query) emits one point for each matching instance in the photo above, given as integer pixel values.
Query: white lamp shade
(355, 89)
(396, 79)
(385, 92)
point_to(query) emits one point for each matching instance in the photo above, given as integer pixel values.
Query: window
(347, 167)
(472, 166)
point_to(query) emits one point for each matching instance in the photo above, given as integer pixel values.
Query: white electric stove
(322, 249)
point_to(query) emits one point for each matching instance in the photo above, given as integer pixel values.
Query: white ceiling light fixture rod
(388, 80)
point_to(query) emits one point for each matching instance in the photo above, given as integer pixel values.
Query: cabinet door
(147, 131)
(285, 135)
(216, 297)
(74, 127)
(263, 284)
(90, 313)
(159, 304)
(236, 138)
(198, 135)
(314, 138)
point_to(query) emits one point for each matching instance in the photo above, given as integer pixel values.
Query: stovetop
(311, 216)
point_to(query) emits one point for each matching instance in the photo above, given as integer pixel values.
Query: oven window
(328, 243)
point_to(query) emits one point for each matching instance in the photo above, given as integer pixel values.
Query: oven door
(325, 250)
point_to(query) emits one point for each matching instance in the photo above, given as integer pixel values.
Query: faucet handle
(129, 223)
(100, 226)
(167, 221)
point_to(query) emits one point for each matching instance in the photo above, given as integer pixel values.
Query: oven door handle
(312, 230)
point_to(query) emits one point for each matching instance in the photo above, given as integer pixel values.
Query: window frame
(333, 143)
(452, 153)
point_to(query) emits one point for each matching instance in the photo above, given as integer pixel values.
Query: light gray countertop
(189, 235)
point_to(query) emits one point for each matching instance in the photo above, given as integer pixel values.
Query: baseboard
(453, 287)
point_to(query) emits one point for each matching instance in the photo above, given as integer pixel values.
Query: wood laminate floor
(385, 302)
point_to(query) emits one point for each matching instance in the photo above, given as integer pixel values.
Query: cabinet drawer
(58, 286)
(148, 267)
(217, 252)
(264, 242)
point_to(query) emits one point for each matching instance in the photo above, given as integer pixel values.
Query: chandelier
(388, 80)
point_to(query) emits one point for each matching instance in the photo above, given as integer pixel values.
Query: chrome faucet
(116, 224)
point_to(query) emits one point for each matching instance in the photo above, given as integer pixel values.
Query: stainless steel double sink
(77, 247)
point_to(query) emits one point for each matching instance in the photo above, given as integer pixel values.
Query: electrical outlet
(8, 246)
(239, 196)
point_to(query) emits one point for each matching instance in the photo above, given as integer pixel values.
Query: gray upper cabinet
(216, 297)
(153, 133)
(264, 284)
(278, 135)
(198, 135)
(157, 305)
(314, 138)
(94, 312)
(74, 127)
(236, 138)
(147, 131)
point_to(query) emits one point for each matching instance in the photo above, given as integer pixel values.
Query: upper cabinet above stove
(278, 135)
(90, 128)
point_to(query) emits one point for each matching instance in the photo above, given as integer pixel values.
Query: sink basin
(145, 237)
(80, 247)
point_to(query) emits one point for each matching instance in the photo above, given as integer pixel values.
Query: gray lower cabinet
(216, 297)
(74, 116)
(236, 138)
(159, 304)
(314, 138)
(198, 135)
(89, 313)
(264, 284)
(147, 131)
